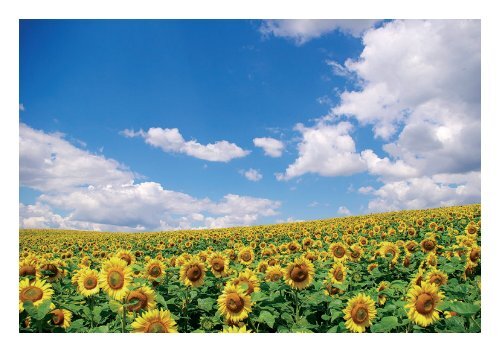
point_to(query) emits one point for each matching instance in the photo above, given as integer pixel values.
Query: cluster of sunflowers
(394, 272)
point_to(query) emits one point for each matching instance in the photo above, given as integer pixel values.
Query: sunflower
(115, 277)
(27, 267)
(355, 253)
(192, 273)
(36, 292)
(337, 273)
(155, 321)
(274, 273)
(236, 329)
(88, 282)
(422, 302)
(390, 249)
(299, 273)
(417, 279)
(436, 277)
(338, 251)
(234, 304)
(381, 297)
(61, 317)
(140, 298)
(246, 255)
(431, 259)
(428, 244)
(471, 229)
(359, 313)
(473, 255)
(248, 279)
(155, 270)
(126, 255)
(219, 264)
(52, 270)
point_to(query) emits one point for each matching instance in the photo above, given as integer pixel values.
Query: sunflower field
(407, 271)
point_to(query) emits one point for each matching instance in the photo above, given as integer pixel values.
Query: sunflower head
(36, 292)
(299, 273)
(248, 280)
(155, 269)
(219, 264)
(155, 321)
(246, 255)
(88, 282)
(192, 273)
(234, 304)
(274, 273)
(422, 302)
(61, 318)
(115, 278)
(359, 313)
(142, 298)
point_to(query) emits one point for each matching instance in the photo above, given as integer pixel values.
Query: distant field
(407, 271)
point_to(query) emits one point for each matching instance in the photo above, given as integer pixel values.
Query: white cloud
(288, 220)
(343, 210)
(366, 189)
(386, 168)
(338, 69)
(21, 107)
(252, 175)
(327, 150)
(48, 163)
(170, 140)
(100, 194)
(426, 192)
(303, 30)
(272, 147)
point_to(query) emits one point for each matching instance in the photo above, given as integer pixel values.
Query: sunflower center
(156, 327)
(339, 252)
(27, 270)
(193, 273)
(90, 282)
(234, 303)
(474, 255)
(436, 280)
(471, 230)
(275, 277)
(355, 254)
(58, 317)
(429, 245)
(155, 271)
(359, 314)
(299, 273)
(425, 303)
(31, 293)
(126, 258)
(137, 301)
(115, 280)
(218, 265)
(339, 275)
(246, 256)
(391, 252)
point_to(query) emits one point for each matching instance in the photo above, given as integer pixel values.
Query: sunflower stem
(124, 322)
(91, 304)
(297, 306)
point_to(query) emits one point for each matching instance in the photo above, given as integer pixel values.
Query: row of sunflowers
(407, 271)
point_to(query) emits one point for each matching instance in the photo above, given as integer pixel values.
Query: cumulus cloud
(49, 163)
(302, 30)
(170, 140)
(343, 210)
(327, 150)
(100, 194)
(252, 175)
(272, 147)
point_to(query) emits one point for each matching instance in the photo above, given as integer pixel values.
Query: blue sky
(367, 116)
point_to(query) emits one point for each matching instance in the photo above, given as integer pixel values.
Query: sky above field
(158, 125)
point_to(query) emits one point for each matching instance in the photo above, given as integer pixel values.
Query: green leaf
(114, 306)
(465, 309)
(206, 304)
(266, 317)
(161, 300)
(43, 309)
(386, 324)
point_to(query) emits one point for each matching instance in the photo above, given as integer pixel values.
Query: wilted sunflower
(422, 302)
(234, 304)
(236, 329)
(155, 270)
(299, 273)
(359, 313)
(115, 277)
(155, 321)
(219, 264)
(246, 255)
(274, 273)
(61, 317)
(37, 292)
(141, 298)
(192, 273)
(88, 282)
